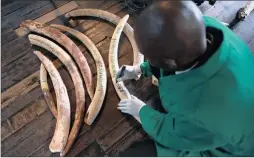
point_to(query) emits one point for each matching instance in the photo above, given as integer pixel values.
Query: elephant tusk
(100, 91)
(61, 133)
(46, 92)
(120, 88)
(76, 78)
(69, 45)
(101, 85)
(138, 58)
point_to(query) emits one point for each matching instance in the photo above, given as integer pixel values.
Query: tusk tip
(87, 120)
(126, 17)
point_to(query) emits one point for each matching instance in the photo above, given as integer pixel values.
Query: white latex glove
(131, 106)
(130, 72)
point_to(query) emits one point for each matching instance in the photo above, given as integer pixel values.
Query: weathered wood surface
(25, 115)
(49, 16)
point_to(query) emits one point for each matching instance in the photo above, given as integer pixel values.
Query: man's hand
(127, 72)
(131, 106)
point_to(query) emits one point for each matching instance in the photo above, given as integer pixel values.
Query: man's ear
(171, 63)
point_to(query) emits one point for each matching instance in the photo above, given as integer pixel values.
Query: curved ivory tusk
(69, 45)
(61, 133)
(128, 30)
(100, 91)
(76, 78)
(120, 88)
(46, 92)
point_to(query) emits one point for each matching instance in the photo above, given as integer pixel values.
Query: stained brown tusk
(61, 133)
(69, 45)
(100, 91)
(76, 78)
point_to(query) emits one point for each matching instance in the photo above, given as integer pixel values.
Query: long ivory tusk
(68, 44)
(76, 78)
(120, 88)
(61, 133)
(46, 92)
(128, 30)
(100, 91)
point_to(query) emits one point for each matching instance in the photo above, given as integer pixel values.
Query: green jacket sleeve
(177, 132)
(146, 69)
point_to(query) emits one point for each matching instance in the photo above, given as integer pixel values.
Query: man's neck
(214, 40)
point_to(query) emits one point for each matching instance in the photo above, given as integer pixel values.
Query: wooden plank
(49, 16)
(13, 50)
(14, 72)
(6, 2)
(118, 10)
(230, 9)
(20, 69)
(12, 18)
(43, 150)
(93, 150)
(92, 4)
(14, 6)
(5, 130)
(205, 6)
(31, 126)
(39, 137)
(122, 128)
(20, 89)
(215, 10)
(105, 5)
(5, 26)
(82, 142)
(25, 132)
(28, 114)
(245, 30)
(20, 103)
(35, 14)
(126, 141)
(30, 96)
(8, 37)
(89, 23)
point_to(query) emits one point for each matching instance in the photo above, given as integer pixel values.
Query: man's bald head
(171, 34)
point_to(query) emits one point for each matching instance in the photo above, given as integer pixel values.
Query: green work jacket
(210, 109)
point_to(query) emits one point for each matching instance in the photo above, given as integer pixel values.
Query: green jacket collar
(215, 62)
